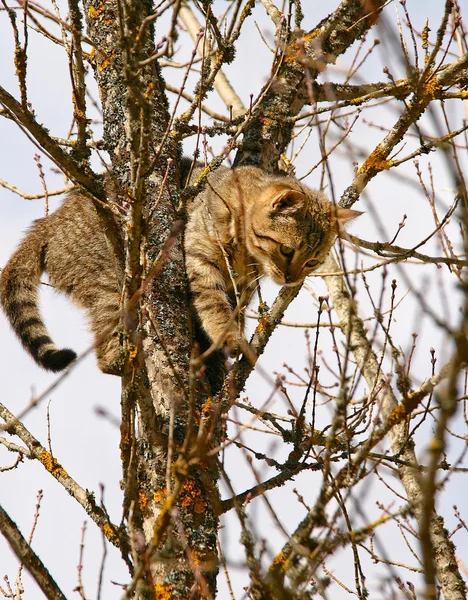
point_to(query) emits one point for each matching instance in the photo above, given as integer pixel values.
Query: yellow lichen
(142, 501)
(203, 174)
(432, 88)
(376, 162)
(296, 51)
(262, 325)
(109, 531)
(397, 414)
(160, 496)
(207, 408)
(79, 114)
(106, 61)
(163, 591)
(278, 562)
(308, 37)
(95, 12)
(356, 101)
(124, 445)
(184, 116)
(52, 465)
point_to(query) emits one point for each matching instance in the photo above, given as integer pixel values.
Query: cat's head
(291, 229)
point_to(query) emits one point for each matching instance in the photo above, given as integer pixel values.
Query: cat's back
(75, 219)
(77, 249)
(227, 192)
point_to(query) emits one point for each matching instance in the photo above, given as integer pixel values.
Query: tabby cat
(244, 224)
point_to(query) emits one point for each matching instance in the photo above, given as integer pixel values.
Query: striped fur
(70, 246)
(246, 224)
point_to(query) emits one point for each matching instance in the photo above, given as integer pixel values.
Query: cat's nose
(290, 278)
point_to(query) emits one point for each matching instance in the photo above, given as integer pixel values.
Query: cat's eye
(286, 250)
(312, 263)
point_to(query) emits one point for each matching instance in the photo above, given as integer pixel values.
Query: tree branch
(80, 174)
(266, 135)
(353, 328)
(50, 463)
(29, 558)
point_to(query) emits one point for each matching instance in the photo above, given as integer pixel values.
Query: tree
(389, 415)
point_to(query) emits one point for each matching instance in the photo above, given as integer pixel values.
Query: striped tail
(19, 298)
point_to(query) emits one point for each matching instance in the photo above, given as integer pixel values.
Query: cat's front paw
(235, 342)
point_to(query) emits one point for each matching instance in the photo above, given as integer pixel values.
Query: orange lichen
(262, 324)
(160, 495)
(296, 51)
(163, 591)
(376, 162)
(278, 562)
(106, 61)
(292, 53)
(432, 88)
(265, 120)
(142, 501)
(51, 464)
(207, 408)
(397, 414)
(110, 532)
(191, 496)
(79, 114)
(95, 12)
(308, 37)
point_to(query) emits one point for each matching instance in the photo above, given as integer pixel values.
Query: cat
(246, 224)
(70, 246)
(243, 225)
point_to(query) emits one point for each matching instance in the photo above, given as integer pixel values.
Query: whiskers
(253, 284)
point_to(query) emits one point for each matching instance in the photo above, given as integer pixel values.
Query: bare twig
(29, 558)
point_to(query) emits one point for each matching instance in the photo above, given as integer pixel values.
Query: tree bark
(180, 524)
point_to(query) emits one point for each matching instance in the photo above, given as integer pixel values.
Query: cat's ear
(343, 215)
(286, 200)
